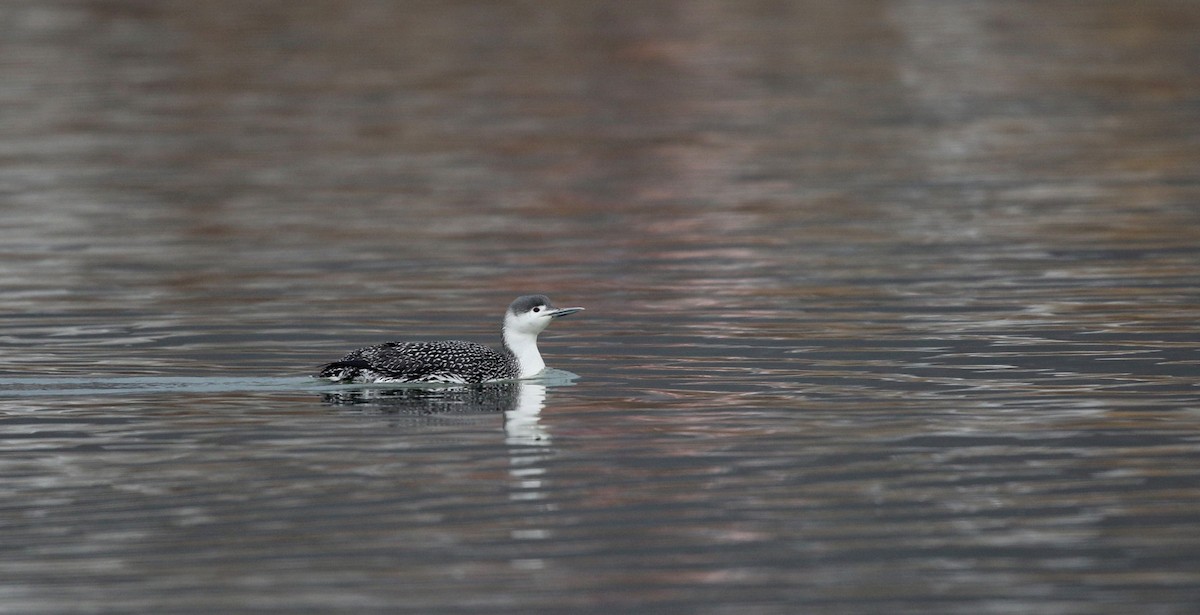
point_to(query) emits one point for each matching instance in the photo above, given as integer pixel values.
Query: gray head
(532, 314)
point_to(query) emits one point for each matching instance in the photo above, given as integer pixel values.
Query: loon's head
(531, 314)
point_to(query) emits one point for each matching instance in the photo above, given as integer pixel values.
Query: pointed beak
(560, 312)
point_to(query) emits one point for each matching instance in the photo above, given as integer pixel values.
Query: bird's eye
(537, 309)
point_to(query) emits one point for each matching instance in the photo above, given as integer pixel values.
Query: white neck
(524, 346)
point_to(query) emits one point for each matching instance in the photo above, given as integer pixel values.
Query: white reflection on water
(521, 423)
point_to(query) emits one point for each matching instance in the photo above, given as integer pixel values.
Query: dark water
(891, 306)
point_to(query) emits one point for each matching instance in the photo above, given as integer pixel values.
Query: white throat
(524, 346)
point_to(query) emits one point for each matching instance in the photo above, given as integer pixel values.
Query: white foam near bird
(454, 361)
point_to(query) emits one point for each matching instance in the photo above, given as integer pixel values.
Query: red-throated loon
(456, 361)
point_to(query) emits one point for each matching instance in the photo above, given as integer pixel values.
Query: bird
(456, 361)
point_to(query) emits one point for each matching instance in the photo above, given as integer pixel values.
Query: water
(890, 306)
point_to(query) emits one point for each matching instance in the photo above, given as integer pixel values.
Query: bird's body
(455, 361)
(445, 361)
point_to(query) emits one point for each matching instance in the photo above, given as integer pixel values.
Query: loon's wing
(448, 361)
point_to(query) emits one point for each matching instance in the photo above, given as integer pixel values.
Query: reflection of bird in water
(520, 402)
(456, 361)
(478, 399)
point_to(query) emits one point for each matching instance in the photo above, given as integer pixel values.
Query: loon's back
(446, 361)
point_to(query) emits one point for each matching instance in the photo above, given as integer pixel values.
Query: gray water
(891, 306)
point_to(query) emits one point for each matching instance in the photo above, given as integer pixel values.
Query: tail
(343, 371)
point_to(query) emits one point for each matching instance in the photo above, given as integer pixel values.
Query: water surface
(891, 306)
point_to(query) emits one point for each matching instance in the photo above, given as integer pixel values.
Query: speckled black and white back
(446, 361)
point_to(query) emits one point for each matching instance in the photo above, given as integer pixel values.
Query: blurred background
(296, 167)
(921, 271)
